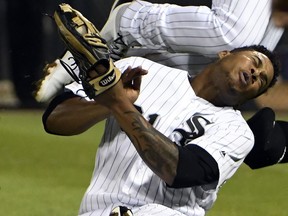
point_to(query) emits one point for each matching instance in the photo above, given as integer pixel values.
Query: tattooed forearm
(158, 152)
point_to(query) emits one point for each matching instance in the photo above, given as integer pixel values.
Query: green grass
(42, 174)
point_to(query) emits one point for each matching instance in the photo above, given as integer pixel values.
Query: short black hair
(273, 57)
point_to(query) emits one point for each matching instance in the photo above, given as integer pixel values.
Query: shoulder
(229, 131)
(238, 132)
(234, 122)
(155, 69)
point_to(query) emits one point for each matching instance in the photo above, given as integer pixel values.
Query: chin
(233, 97)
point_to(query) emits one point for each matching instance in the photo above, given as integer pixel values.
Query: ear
(223, 53)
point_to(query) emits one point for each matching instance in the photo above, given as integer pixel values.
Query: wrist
(120, 106)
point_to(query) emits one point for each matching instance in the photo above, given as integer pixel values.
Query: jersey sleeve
(224, 26)
(228, 142)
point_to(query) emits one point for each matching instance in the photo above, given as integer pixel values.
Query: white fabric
(186, 32)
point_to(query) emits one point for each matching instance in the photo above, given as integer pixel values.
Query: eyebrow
(265, 85)
(262, 75)
(260, 62)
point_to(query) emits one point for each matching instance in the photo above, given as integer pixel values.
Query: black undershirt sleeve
(195, 167)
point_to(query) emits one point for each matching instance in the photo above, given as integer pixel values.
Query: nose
(254, 73)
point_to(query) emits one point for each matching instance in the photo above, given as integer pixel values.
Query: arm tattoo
(158, 152)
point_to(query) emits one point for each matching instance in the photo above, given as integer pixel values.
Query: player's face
(243, 75)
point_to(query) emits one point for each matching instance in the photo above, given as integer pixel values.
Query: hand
(127, 89)
(131, 79)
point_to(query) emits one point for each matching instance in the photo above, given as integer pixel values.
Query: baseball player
(170, 142)
(185, 37)
(161, 31)
(235, 24)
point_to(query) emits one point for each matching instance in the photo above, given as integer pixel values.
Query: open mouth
(245, 78)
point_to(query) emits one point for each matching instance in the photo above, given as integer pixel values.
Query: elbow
(46, 122)
(53, 120)
(170, 180)
(53, 126)
(48, 125)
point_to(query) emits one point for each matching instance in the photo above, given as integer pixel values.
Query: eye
(256, 61)
(263, 80)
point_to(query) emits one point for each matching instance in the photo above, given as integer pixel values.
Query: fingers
(132, 73)
(132, 77)
(136, 83)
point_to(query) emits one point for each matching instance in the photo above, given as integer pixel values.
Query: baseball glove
(88, 48)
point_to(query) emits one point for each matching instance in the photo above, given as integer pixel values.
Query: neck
(205, 87)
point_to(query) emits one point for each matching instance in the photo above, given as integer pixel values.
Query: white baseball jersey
(168, 102)
(228, 24)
